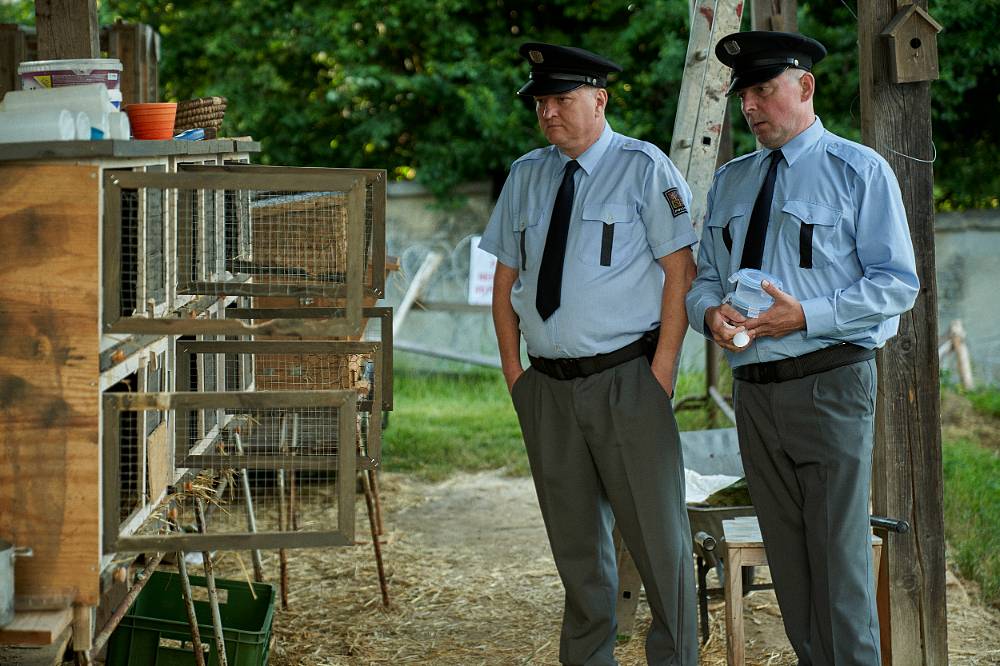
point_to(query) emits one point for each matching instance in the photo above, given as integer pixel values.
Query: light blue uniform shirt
(626, 189)
(863, 273)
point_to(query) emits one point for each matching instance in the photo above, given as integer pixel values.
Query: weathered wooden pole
(779, 15)
(67, 29)
(896, 121)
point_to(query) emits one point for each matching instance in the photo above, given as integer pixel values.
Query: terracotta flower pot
(153, 120)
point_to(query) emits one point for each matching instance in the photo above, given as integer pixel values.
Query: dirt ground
(472, 582)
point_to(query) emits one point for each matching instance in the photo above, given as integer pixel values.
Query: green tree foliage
(964, 103)
(425, 88)
(422, 87)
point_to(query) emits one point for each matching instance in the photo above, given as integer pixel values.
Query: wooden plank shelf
(37, 150)
(35, 628)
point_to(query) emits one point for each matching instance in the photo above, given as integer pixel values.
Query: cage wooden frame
(344, 465)
(218, 179)
(371, 457)
(384, 315)
(374, 277)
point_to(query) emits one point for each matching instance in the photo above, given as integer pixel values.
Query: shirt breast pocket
(726, 224)
(529, 239)
(607, 235)
(812, 232)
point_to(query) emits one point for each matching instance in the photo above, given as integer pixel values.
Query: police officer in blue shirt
(592, 236)
(825, 217)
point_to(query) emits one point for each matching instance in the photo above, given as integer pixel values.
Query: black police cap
(557, 69)
(761, 55)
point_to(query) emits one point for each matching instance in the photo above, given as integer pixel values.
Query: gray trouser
(807, 453)
(605, 448)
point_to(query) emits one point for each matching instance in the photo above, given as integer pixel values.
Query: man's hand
(782, 318)
(664, 373)
(724, 322)
(511, 375)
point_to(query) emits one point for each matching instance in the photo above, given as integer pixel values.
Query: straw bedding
(472, 582)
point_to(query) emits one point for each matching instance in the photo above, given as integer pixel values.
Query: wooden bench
(744, 547)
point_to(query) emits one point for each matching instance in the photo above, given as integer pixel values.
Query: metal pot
(7, 554)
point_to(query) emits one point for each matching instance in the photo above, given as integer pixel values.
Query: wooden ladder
(701, 110)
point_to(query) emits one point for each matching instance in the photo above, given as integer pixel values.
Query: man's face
(572, 120)
(779, 109)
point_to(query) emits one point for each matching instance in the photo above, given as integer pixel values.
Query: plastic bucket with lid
(750, 298)
(58, 73)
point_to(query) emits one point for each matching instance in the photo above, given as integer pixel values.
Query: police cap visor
(760, 56)
(557, 69)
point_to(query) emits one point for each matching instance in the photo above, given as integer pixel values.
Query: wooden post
(13, 50)
(777, 15)
(907, 462)
(124, 44)
(956, 335)
(67, 29)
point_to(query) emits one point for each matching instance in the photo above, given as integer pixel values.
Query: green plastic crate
(155, 631)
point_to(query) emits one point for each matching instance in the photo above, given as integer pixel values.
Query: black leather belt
(574, 368)
(820, 360)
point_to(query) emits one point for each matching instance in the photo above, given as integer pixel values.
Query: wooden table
(744, 547)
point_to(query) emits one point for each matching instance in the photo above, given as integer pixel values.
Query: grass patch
(972, 513)
(447, 422)
(986, 401)
(458, 418)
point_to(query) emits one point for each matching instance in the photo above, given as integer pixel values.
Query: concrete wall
(967, 253)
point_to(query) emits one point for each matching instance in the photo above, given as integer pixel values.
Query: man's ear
(602, 100)
(807, 86)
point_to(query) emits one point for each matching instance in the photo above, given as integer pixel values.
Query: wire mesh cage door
(383, 335)
(373, 281)
(240, 469)
(141, 259)
(291, 232)
(291, 365)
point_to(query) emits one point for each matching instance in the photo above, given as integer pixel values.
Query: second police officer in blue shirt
(825, 217)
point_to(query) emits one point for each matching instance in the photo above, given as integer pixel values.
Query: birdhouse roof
(907, 14)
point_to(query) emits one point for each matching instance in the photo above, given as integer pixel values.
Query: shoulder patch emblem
(675, 201)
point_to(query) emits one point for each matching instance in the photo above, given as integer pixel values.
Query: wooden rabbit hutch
(179, 325)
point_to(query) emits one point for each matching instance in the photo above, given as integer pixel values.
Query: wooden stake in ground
(283, 515)
(373, 482)
(213, 595)
(382, 582)
(956, 335)
(258, 565)
(199, 655)
(293, 513)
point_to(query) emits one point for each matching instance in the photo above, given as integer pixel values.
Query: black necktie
(753, 245)
(551, 269)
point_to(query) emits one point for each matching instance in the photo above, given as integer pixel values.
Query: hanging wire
(932, 160)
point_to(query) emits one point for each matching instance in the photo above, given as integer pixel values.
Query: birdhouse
(912, 37)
